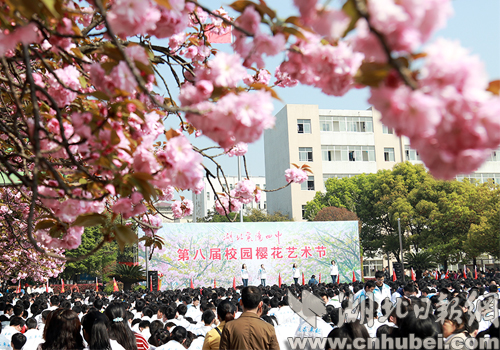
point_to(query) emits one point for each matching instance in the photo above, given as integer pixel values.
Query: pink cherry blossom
(237, 150)
(181, 209)
(283, 79)
(244, 191)
(235, 118)
(25, 35)
(145, 161)
(131, 17)
(223, 207)
(365, 42)
(182, 164)
(307, 9)
(63, 42)
(408, 112)
(223, 70)
(172, 21)
(295, 175)
(331, 23)
(249, 20)
(330, 68)
(407, 24)
(68, 76)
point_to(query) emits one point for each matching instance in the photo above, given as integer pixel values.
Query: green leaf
(294, 31)
(164, 3)
(124, 235)
(372, 73)
(143, 186)
(350, 9)
(44, 224)
(100, 95)
(115, 139)
(87, 220)
(50, 5)
(260, 86)
(494, 87)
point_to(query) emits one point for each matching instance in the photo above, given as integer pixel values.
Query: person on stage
(295, 273)
(262, 275)
(244, 275)
(334, 272)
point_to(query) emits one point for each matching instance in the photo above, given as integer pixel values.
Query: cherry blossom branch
(225, 20)
(403, 71)
(279, 188)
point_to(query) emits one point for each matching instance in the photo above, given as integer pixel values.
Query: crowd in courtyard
(461, 313)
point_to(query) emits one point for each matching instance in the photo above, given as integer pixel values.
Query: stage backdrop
(205, 252)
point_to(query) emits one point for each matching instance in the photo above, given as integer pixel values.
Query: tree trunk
(474, 261)
(445, 264)
(127, 286)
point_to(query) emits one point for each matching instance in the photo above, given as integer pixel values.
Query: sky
(475, 24)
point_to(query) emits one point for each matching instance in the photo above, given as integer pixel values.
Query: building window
(411, 154)
(303, 212)
(372, 266)
(495, 156)
(348, 153)
(389, 154)
(308, 185)
(346, 124)
(305, 154)
(387, 130)
(336, 176)
(481, 178)
(265, 205)
(208, 196)
(304, 126)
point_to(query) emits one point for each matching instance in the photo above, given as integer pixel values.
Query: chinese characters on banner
(249, 253)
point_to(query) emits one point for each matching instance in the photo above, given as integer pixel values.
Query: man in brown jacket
(249, 332)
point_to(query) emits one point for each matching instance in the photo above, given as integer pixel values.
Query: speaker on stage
(153, 278)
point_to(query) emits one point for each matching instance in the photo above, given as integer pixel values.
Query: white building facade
(336, 143)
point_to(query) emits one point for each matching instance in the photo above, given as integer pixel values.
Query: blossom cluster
(244, 192)
(451, 120)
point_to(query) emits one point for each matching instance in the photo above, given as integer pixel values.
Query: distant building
(205, 201)
(336, 143)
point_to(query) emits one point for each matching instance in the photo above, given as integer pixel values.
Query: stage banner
(207, 251)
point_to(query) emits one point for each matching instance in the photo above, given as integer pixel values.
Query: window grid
(336, 176)
(389, 154)
(348, 153)
(387, 130)
(346, 124)
(308, 185)
(372, 266)
(411, 154)
(305, 154)
(495, 156)
(304, 126)
(481, 177)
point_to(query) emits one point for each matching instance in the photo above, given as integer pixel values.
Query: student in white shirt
(15, 326)
(295, 274)
(262, 275)
(334, 271)
(33, 335)
(244, 275)
(208, 321)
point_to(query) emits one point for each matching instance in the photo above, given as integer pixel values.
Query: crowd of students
(197, 318)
